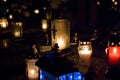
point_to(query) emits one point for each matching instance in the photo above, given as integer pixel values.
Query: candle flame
(61, 43)
(114, 50)
(32, 71)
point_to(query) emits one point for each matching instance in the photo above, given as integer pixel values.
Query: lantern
(44, 25)
(85, 52)
(61, 33)
(32, 71)
(3, 22)
(113, 50)
(5, 43)
(113, 57)
(54, 67)
(17, 29)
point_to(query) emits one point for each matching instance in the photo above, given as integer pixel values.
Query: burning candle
(85, 52)
(113, 55)
(44, 25)
(3, 23)
(17, 29)
(17, 34)
(32, 70)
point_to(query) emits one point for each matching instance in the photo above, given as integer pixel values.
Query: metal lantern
(61, 33)
(17, 29)
(85, 52)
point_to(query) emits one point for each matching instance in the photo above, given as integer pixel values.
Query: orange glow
(61, 43)
(60, 33)
(3, 23)
(44, 25)
(17, 34)
(31, 69)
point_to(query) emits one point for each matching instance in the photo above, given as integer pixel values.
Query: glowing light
(114, 50)
(5, 43)
(44, 25)
(113, 54)
(36, 11)
(60, 33)
(32, 71)
(119, 43)
(10, 16)
(85, 52)
(19, 24)
(79, 77)
(98, 3)
(44, 8)
(71, 77)
(3, 23)
(115, 3)
(17, 29)
(61, 43)
(4, 0)
(113, 0)
(17, 34)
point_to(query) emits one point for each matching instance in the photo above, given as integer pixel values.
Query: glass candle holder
(32, 71)
(85, 52)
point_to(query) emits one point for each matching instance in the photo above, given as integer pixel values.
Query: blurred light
(61, 42)
(17, 29)
(19, 24)
(44, 25)
(44, 8)
(3, 23)
(27, 13)
(118, 43)
(36, 11)
(32, 71)
(115, 3)
(113, 0)
(98, 3)
(71, 76)
(4, 0)
(113, 50)
(5, 43)
(10, 16)
(7, 10)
